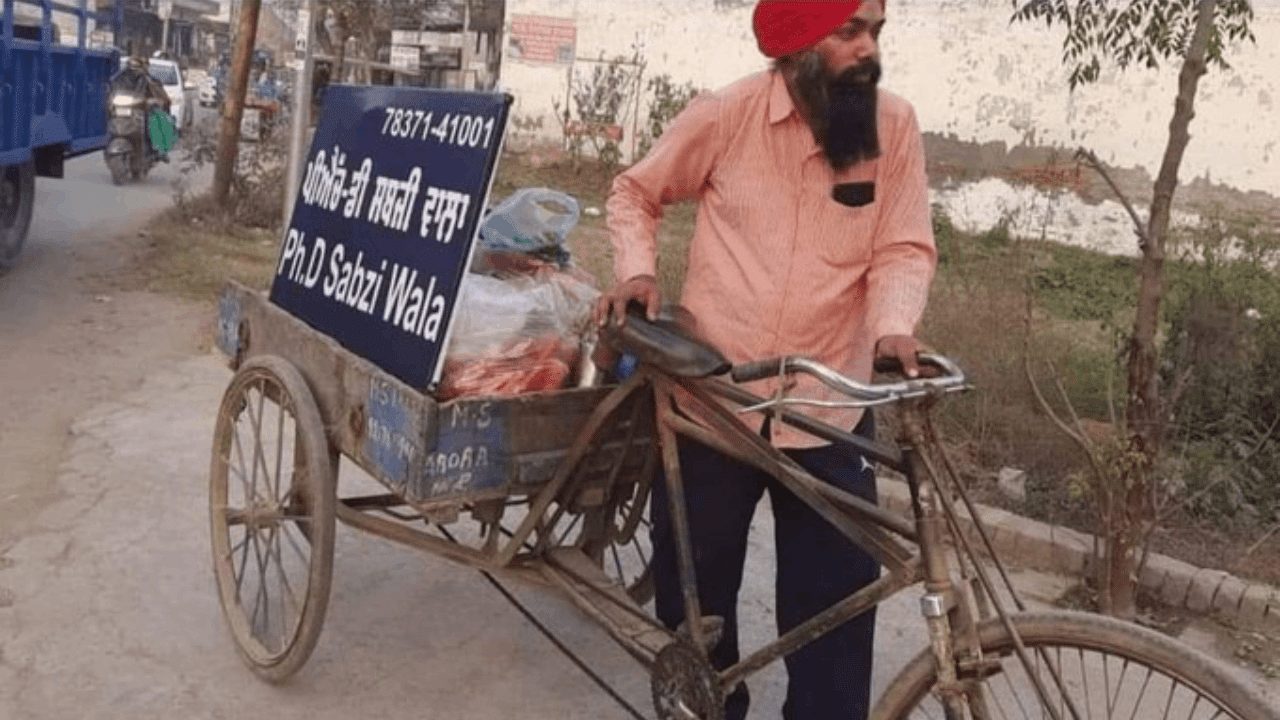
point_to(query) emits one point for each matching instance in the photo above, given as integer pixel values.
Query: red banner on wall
(539, 38)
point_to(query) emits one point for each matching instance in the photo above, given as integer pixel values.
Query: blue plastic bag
(530, 220)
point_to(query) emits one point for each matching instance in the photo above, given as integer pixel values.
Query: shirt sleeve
(676, 169)
(904, 255)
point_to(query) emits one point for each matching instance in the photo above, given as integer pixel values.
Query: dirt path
(72, 339)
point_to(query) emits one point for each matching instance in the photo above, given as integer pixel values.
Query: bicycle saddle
(667, 343)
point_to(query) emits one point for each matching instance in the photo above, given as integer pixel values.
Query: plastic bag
(530, 220)
(161, 130)
(516, 335)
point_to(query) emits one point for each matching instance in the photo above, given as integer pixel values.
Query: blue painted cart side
(427, 453)
(53, 97)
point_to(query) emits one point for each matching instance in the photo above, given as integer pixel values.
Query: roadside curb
(1050, 548)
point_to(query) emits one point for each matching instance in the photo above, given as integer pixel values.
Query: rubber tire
(316, 460)
(1139, 646)
(13, 229)
(119, 167)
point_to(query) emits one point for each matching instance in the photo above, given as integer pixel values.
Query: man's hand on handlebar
(641, 288)
(903, 349)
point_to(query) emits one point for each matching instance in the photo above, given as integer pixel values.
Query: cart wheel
(271, 507)
(684, 684)
(609, 518)
(618, 539)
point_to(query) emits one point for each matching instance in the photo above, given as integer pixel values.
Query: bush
(1223, 361)
(258, 183)
(666, 101)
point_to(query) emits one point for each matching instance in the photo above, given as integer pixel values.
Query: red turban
(786, 26)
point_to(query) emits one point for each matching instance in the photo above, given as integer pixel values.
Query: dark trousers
(817, 566)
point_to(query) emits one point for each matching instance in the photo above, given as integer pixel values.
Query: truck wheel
(17, 191)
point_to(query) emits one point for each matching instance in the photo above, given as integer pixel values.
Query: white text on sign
(473, 131)
(411, 301)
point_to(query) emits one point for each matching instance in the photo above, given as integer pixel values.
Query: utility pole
(233, 106)
(306, 38)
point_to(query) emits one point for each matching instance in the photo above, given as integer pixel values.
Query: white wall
(968, 72)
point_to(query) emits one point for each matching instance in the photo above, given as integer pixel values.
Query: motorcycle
(129, 154)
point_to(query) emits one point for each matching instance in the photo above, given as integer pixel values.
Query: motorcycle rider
(134, 77)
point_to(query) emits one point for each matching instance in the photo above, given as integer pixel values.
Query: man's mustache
(864, 75)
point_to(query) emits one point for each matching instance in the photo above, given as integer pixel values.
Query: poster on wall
(385, 220)
(542, 39)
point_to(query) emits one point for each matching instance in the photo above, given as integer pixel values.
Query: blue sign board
(384, 223)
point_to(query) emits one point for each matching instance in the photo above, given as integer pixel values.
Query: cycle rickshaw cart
(577, 466)
(554, 485)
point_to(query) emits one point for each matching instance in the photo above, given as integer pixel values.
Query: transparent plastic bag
(516, 335)
(530, 220)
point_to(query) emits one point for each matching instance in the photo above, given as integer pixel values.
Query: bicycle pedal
(712, 631)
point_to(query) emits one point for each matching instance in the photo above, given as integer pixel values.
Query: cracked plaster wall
(968, 72)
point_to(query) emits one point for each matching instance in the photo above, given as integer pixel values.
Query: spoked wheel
(17, 195)
(1104, 668)
(605, 507)
(618, 538)
(271, 503)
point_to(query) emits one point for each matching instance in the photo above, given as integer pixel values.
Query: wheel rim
(272, 518)
(1105, 671)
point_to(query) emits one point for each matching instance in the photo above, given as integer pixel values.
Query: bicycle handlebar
(861, 394)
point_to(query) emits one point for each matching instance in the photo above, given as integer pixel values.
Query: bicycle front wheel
(1091, 666)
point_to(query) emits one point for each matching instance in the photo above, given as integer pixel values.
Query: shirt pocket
(847, 234)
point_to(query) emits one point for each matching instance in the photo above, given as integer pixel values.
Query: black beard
(841, 109)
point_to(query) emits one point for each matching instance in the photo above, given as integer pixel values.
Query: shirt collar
(780, 103)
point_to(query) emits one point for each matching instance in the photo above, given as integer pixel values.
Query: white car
(168, 74)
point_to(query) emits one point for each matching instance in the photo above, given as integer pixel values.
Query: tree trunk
(233, 106)
(1145, 413)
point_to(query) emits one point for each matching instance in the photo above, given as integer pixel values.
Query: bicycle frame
(696, 409)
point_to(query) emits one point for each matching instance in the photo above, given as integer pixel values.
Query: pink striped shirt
(776, 266)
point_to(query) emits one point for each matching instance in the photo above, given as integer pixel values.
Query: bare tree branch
(1139, 228)
(1076, 435)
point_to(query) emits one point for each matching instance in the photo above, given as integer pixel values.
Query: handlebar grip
(929, 366)
(887, 365)
(756, 370)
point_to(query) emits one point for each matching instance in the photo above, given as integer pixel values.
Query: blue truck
(53, 100)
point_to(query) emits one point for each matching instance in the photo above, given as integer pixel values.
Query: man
(813, 237)
(135, 77)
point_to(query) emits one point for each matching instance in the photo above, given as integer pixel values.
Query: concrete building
(178, 27)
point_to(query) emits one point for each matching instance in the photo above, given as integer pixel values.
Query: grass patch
(192, 253)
